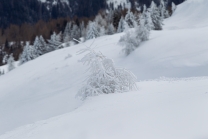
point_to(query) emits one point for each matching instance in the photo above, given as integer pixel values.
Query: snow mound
(190, 14)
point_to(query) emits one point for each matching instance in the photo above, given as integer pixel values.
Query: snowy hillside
(37, 99)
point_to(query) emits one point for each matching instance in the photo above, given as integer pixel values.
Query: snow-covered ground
(37, 99)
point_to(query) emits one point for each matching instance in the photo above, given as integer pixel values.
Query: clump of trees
(150, 19)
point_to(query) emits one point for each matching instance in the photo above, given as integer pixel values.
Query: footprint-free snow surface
(37, 99)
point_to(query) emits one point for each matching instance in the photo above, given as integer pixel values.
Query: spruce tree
(173, 7)
(38, 48)
(110, 29)
(92, 31)
(43, 44)
(26, 54)
(54, 42)
(67, 33)
(121, 25)
(10, 63)
(130, 19)
(155, 15)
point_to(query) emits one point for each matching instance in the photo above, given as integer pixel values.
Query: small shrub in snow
(104, 77)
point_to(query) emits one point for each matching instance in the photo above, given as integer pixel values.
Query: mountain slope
(42, 92)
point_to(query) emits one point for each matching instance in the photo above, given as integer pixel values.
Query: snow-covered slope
(42, 92)
(169, 109)
(191, 14)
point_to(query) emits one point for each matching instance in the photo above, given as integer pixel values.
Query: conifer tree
(121, 25)
(173, 7)
(10, 63)
(110, 29)
(67, 33)
(26, 54)
(54, 42)
(132, 39)
(130, 19)
(155, 15)
(92, 31)
(75, 32)
(145, 26)
(38, 48)
(162, 9)
(43, 44)
(82, 30)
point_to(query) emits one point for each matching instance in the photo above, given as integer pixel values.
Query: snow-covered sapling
(104, 77)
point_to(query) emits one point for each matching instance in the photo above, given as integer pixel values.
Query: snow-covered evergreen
(10, 63)
(67, 32)
(26, 54)
(92, 31)
(162, 9)
(38, 48)
(43, 44)
(132, 39)
(110, 29)
(54, 42)
(75, 32)
(104, 77)
(121, 25)
(82, 30)
(173, 7)
(130, 42)
(130, 19)
(155, 15)
(101, 25)
(145, 26)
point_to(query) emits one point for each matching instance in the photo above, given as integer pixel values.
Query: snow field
(37, 99)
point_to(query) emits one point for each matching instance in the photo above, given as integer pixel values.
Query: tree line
(43, 37)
